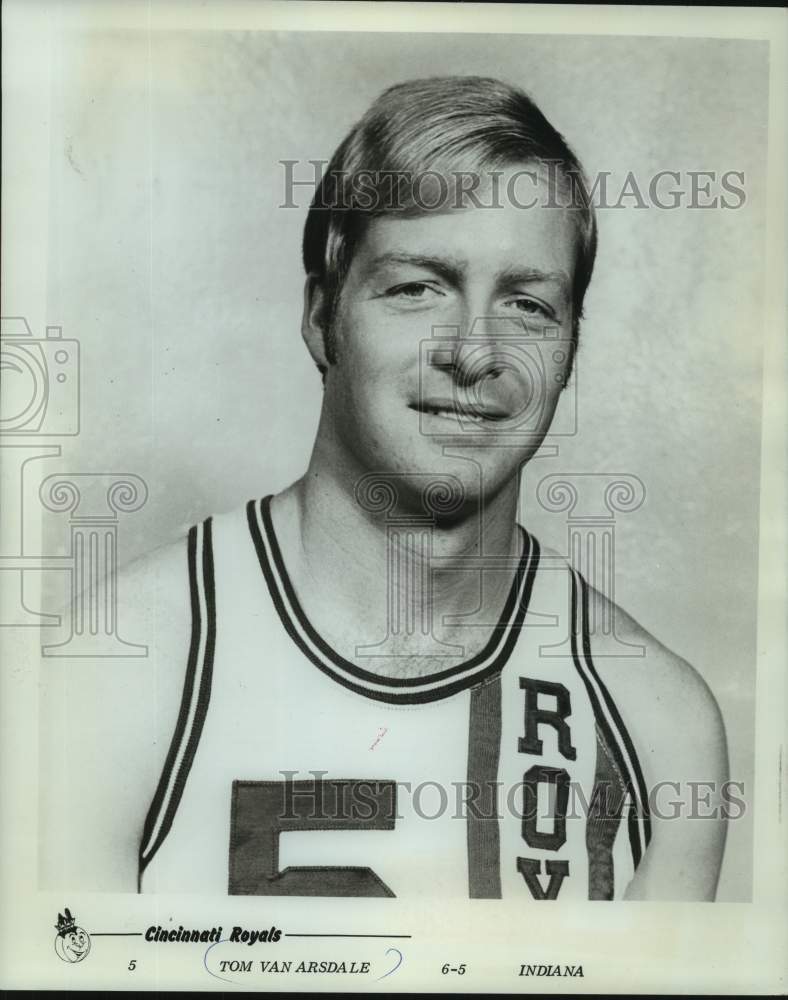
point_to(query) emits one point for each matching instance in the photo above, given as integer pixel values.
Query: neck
(371, 566)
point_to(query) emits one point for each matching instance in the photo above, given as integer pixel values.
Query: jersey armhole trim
(194, 700)
(610, 722)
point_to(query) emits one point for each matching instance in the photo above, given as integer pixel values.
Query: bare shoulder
(672, 714)
(676, 727)
(106, 724)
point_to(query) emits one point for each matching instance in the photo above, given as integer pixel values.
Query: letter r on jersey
(555, 717)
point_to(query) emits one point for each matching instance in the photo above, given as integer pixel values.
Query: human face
(411, 399)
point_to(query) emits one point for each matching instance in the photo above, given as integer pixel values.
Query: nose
(481, 351)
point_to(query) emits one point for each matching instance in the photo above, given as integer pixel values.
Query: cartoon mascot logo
(72, 944)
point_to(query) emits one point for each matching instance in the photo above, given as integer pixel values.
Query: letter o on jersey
(541, 774)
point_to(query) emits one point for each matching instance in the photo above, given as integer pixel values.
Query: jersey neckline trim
(489, 661)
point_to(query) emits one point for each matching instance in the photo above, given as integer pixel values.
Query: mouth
(454, 410)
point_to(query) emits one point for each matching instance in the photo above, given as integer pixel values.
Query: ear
(314, 322)
(573, 345)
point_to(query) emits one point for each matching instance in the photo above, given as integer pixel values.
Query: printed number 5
(262, 810)
(132, 965)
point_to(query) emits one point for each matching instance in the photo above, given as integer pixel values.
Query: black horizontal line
(352, 935)
(116, 933)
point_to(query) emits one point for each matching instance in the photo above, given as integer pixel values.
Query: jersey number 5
(262, 810)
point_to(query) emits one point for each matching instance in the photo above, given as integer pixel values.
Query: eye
(531, 307)
(416, 292)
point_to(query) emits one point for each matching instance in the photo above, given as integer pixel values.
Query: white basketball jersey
(292, 771)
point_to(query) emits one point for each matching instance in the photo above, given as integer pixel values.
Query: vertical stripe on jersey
(484, 749)
(195, 698)
(604, 819)
(611, 723)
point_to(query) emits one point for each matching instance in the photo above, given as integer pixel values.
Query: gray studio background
(173, 266)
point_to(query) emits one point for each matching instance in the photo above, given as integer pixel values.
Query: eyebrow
(449, 267)
(453, 268)
(513, 275)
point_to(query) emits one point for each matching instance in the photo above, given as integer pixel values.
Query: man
(382, 634)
